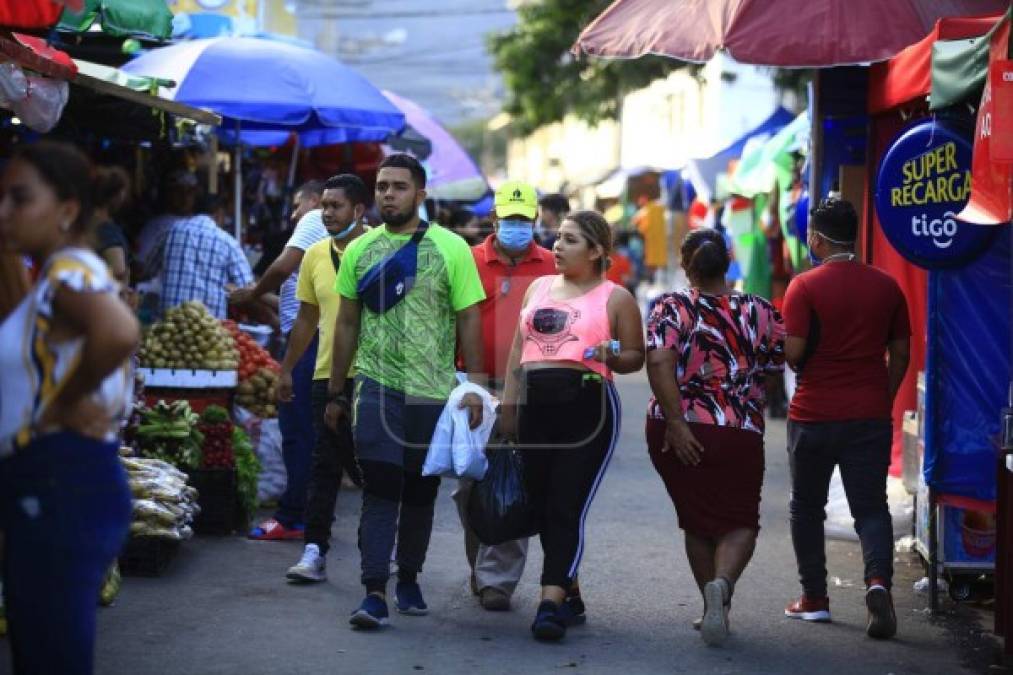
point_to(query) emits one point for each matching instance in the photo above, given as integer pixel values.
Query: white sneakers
(714, 624)
(311, 567)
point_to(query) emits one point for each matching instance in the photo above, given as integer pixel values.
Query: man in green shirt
(404, 364)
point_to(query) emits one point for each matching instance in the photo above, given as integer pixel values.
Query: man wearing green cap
(507, 261)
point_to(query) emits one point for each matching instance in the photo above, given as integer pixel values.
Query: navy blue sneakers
(548, 624)
(371, 614)
(571, 612)
(408, 599)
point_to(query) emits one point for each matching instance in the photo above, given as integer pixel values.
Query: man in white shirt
(283, 272)
(294, 417)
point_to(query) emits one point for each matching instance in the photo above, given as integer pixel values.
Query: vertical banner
(990, 202)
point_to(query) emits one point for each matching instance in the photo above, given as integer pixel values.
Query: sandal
(272, 530)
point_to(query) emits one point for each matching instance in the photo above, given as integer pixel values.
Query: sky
(431, 52)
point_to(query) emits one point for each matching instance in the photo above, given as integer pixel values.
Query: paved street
(224, 606)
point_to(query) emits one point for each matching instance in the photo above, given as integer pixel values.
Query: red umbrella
(787, 33)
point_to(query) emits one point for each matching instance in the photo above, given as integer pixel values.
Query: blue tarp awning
(703, 173)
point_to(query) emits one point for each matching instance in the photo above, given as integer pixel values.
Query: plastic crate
(199, 399)
(219, 501)
(147, 556)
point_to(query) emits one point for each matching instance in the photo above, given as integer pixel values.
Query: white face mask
(345, 232)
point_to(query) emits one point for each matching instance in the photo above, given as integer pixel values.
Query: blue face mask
(515, 235)
(344, 233)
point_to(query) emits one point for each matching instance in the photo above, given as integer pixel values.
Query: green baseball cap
(514, 198)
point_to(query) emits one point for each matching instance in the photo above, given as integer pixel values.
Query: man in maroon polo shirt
(508, 261)
(849, 341)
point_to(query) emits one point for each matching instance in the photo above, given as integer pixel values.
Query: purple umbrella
(453, 175)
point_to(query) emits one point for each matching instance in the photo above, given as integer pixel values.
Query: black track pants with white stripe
(567, 431)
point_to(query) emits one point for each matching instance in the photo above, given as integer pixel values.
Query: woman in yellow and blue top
(64, 498)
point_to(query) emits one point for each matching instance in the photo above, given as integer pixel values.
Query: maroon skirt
(722, 492)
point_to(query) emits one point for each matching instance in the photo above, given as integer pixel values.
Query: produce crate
(199, 399)
(147, 556)
(219, 501)
(189, 379)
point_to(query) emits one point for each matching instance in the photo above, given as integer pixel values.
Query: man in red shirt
(508, 261)
(842, 317)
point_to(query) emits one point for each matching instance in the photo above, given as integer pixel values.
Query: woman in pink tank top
(560, 405)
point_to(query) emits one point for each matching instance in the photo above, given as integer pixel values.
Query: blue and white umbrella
(273, 86)
(260, 85)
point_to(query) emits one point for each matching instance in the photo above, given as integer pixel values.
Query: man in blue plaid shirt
(197, 260)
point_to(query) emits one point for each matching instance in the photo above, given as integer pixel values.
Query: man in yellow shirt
(650, 223)
(342, 204)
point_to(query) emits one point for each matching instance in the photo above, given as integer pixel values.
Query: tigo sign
(924, 181)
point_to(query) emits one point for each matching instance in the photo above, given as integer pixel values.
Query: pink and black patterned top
(726, 345)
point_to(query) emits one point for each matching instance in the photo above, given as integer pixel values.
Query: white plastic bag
(439, 458)
(456, 450)
(468, 448)
(13, 84)
(37, 101)
(265, 437)
(44, 105)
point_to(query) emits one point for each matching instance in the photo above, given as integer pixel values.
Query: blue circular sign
(924, 181)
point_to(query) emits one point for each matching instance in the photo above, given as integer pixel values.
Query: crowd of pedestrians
(381, 325)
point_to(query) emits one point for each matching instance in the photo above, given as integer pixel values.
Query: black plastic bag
(499, 509)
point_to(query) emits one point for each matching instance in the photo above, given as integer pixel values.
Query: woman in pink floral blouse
(709, 350)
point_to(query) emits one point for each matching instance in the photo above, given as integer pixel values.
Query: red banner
(1000, 74)
(990, 202)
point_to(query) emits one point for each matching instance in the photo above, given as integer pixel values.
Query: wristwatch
(612, 349)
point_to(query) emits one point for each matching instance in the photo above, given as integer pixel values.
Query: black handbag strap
(335, 259)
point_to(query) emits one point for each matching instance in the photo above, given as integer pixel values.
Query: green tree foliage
(544, 81)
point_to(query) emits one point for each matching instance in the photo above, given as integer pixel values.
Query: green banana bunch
(168, 431)
(168, 420)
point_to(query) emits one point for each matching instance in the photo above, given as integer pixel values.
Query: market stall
(985, 62)
(205, 376)
(191, 468)
(956, 277)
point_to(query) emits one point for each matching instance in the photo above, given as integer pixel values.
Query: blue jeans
(65, 511)
(295, 419)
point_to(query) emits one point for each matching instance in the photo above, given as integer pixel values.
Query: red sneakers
(809, 609)
(882, 617)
